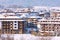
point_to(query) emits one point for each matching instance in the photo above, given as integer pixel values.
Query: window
(15, 27)
(15, 24)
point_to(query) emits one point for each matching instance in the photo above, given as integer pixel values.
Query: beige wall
(55, 14)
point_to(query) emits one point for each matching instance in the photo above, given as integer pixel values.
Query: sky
(31, 2)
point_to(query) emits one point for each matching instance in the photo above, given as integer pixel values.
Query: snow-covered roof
(8, 13)
(55, 9)
(43, 19)
(7, 16)
(24, 15)
(10, 18)
(40, 8)
(34, 17)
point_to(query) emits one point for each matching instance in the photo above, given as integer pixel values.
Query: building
(11, 24)
(51, 25)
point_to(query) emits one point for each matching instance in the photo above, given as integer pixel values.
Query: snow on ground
(55, 38)
(26, 37)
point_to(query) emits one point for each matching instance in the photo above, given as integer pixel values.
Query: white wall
(15, 25)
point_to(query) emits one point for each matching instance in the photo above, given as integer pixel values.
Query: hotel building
(11, 24)
(50, 26)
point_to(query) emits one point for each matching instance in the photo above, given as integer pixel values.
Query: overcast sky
(31, 2)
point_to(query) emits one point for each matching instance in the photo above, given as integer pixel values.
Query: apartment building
(51, 25)
(11, 24)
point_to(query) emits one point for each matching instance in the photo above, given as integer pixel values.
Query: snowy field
(25, 37)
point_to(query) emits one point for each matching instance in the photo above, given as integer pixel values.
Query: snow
(33, 17)
(28, 37)
(23, 37)
(56, 38)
